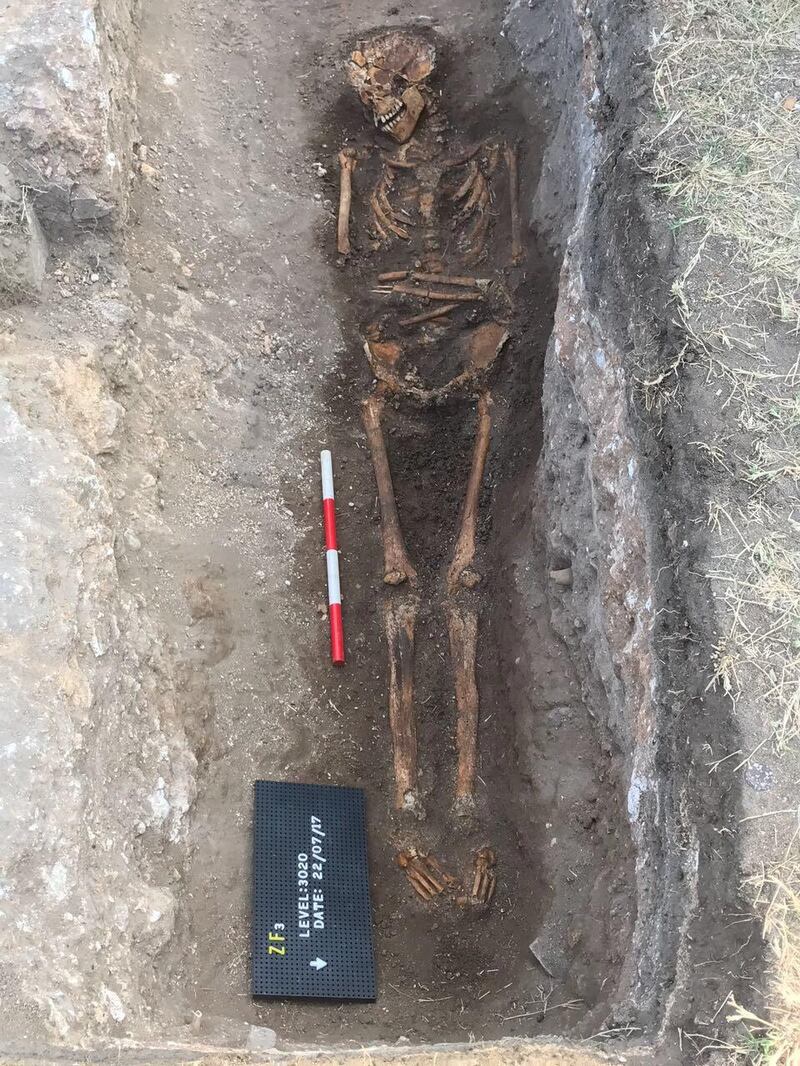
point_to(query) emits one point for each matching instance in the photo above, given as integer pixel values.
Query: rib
(478, 195)
(480, 877)
(467, 183)
(435, 865)
(493, 159)
(386, 207)
(420, 867)
(475, 250)
(437, 312)
(384, 221)
(484, 879)
(420, 885)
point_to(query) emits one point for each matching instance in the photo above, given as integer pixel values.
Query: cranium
(387, 72)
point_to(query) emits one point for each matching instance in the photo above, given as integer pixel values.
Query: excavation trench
(244, 356)
(546, 956)
(549, 799)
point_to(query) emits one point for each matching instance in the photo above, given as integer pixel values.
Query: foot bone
(424, 874)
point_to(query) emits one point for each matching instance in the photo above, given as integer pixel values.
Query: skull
(388, 72)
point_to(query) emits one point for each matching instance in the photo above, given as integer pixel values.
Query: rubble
(66, 89)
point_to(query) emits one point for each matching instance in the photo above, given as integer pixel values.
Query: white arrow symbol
(318, 963)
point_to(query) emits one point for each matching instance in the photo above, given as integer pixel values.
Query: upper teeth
(390, 120)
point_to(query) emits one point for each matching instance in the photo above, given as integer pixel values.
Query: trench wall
(67, 106)
(607, 474)
(98, 772)
(592, 487)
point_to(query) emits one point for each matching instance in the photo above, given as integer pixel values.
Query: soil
(164, 404)
(174, 387)
(248, 328)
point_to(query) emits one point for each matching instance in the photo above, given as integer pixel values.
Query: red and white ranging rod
(332, 560)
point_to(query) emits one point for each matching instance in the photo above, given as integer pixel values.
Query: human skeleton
(438, 206)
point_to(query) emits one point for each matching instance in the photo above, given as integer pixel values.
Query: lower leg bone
(460, 572)
(463, 627)
(397, 566)
(399, 619)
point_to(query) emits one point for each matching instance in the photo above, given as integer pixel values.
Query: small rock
(114, 1004)
(148, 173)
(759, 777)
(550, 948)
(260, 1038)
(87, 206)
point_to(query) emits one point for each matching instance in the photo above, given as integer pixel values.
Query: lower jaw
(403, 130)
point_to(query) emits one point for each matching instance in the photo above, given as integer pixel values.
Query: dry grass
(758, 580)
(728, 148)
(726, 159)
(774, 1040)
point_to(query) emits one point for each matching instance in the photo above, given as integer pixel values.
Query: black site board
(312, 922)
